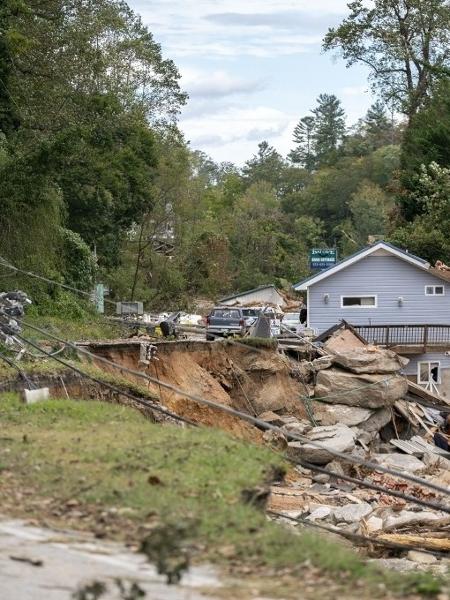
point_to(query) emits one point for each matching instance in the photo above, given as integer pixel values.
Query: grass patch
(92, 327)
(109, 456)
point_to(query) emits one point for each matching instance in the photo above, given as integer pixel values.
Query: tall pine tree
(329, 128)
(303, 153)
(378, 127)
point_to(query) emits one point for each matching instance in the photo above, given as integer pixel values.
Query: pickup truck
(225, 322)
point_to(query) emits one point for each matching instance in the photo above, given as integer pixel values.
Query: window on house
(429, 372)
(434, 290)
(358, 301)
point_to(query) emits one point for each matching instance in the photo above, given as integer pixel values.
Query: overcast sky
(252, 69)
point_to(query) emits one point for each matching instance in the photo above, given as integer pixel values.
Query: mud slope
(241, 377)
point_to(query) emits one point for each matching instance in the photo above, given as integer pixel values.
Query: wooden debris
(417, 541)
(418, 390)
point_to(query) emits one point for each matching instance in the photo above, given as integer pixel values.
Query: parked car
(292, 322)
(224, 322)
(250, 315)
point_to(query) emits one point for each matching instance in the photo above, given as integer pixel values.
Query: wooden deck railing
(426, 336)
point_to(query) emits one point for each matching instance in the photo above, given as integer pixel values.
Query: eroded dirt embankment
(250, 379)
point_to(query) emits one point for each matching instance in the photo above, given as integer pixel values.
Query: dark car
(225, 322)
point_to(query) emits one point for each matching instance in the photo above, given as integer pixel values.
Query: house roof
(445, 275)
(350, 260)
(261, 287)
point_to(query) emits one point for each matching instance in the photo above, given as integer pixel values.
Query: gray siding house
(393, 299)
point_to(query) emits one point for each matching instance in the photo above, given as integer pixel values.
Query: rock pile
(352, 397)
(353, 394)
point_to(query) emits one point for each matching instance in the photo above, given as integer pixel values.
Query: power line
(146, 403)
(251, 419)
(362, 483)
(14, 365)
(357, 537)
(8, 265)
(370, 486)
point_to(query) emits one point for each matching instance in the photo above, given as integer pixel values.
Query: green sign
(322, 258)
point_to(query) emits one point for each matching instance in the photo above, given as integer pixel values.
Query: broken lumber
(417, 390)
(417, 541)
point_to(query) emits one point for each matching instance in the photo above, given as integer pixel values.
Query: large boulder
(378, 419)
(331, 414)
(337, 386)
(400, 462)
(338, 438)
(370, 360)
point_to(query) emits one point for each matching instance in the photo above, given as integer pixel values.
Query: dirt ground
(249, 379)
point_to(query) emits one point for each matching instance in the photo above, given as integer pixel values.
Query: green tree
(427, 235)
(267, 165)
(379, 128)
(402, 42)
(303, 137)
(329, 130)
(427, 140)
(369, 207)
(9, 42)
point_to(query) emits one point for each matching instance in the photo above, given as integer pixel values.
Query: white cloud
(230, 28)
(252, 68)
(217, 84)
(233, 133)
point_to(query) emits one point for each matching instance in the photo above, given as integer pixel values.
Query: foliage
(369, 210)
(303, 138)
(403, 42)
(427, 140)
(100, 169)
(84, 81)
(318, 136)
(79, 262)
(329, 128)
(427, 235)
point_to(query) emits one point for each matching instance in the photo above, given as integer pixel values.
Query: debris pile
(353, 395)
(11, 306)
(343, 401)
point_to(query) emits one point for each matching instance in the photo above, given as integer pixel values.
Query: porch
(407, 339)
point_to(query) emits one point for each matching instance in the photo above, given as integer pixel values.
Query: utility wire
(371, 486)
(359, 482)
(146, 403)
(14, 365)
(8, 265)
(345, 534)
(253, 420)
(357, 537)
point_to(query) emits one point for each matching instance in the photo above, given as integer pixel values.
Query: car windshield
(226, 314)
(292, 317)
(249, 312)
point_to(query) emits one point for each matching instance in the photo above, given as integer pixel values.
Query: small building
(392, 299)
(260, 296)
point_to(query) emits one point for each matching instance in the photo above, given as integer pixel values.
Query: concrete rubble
(358, 424)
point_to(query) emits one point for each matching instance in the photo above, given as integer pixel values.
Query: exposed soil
(249, 379)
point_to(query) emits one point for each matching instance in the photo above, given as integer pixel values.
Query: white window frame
(365, 307)
(434, 290)
(429, 362)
